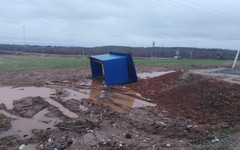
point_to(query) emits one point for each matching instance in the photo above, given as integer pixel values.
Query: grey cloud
(123, 22)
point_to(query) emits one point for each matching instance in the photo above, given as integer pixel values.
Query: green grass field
(15, 63)
(184, 62)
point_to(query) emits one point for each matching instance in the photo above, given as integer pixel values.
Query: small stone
(62, 147)
(70, 142)
(25, 135)
(168, 145)
(128, 136)
(120, 145)
(41, 146)
(104, 143)
(215, 140)
(21, 146)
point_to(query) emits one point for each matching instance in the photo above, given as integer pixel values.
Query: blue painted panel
(116, 71)
(132, 75)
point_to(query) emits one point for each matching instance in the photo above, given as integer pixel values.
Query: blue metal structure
(118, 68)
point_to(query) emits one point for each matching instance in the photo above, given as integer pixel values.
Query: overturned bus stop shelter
(118, 68)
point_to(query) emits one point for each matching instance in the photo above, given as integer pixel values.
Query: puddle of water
(236, 79)
(140, 103)
(116, 108)
(90, 139)
(24, 126)
(227, 75)
(77, 95)
(146, 75)
(94, 138)
(122, 99)
(8, 95)
(62, 83)
(129, 101)
(95, 94)
(86, 82)
(98, 81)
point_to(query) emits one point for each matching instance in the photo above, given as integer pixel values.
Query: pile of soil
(206, 101)
(148, 87)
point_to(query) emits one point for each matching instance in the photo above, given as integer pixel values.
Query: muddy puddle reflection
(146, 75)
(117, 101)
(23, 126)
(76, 94)
(8, 95)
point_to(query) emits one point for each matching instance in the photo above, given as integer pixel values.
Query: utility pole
(24, 41)
(190, 54)
(153, 45)
(235, 61)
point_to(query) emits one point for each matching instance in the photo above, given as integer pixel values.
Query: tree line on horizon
(158, 52)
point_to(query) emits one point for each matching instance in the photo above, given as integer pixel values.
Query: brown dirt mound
(149, 87)
(203, 100)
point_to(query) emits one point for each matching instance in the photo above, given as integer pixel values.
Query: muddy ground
(66, 109)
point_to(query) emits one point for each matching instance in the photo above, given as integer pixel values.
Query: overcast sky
(88, 23)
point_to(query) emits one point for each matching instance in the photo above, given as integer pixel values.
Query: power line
(184, 7)
(212, 10)
(195, 10)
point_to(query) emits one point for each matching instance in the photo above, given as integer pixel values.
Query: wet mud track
(66, 109)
